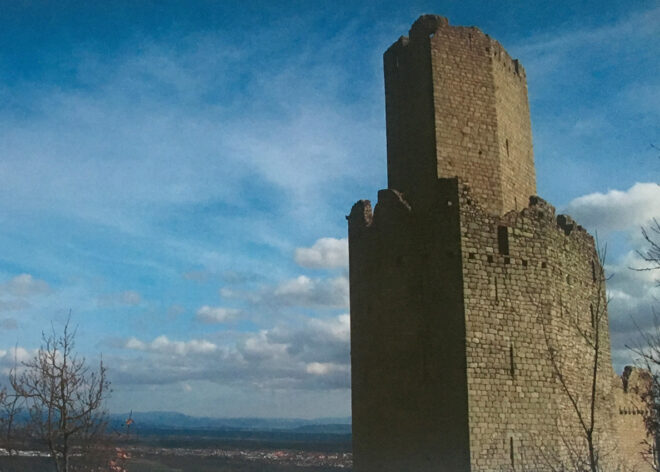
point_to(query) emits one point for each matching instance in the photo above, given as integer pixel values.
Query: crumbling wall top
(636, 380)
(361, 215)
(426, 25)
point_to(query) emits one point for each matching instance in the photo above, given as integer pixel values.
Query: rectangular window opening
(593, 271)
(512, 365)
(511, 455)
(503, 240)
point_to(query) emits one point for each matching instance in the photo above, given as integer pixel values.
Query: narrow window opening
(511, 456)
(507, 147)
(512, 364)
(471, 255)
(496, 292)
(524, 263)
(503, 240)
(593, 271)
(544, 265)
(490, 258)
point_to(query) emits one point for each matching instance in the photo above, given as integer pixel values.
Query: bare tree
(585, 451)
(651, 253)
(63, 396)
(648, 355)
(12, 433)
(647, 348)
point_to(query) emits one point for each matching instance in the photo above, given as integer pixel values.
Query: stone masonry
(474, 308)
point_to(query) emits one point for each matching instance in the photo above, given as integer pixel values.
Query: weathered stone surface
(459, 290)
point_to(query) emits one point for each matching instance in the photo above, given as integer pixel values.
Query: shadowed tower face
(457, 107)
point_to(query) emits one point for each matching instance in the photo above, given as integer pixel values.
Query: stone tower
(457, 106)
(462, 281)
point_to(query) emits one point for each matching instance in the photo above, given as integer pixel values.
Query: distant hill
(174, 420)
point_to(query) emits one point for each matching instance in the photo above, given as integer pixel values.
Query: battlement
(392, 203)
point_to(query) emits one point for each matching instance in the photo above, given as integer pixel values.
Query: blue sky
(177, 175)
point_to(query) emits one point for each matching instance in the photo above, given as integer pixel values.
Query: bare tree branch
(63, 396)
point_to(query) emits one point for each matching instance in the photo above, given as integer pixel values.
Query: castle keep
(470, 298)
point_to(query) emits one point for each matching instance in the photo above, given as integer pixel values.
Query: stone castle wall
(631, 391)
(455, 312)
(533, 285)
(473, 306)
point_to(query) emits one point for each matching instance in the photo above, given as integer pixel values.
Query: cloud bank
(617, 210)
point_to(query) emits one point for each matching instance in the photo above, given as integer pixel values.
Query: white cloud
(126, 298)
(312, 354)
(24, 285)
(324, 368)
(210, 314)
(301, 291)
(633, 296)
(258, 348)
(14, 357)
(326, 253)
(305, 291)
(19, 353)
(163, 345)
(134, 343)
(616, 209)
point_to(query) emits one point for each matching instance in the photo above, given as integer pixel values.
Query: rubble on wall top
(636, 380)
(361, 214)
(538, 209)
(390, 202)
(426, 25)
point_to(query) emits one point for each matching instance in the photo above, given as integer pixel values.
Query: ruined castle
(476, 312)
